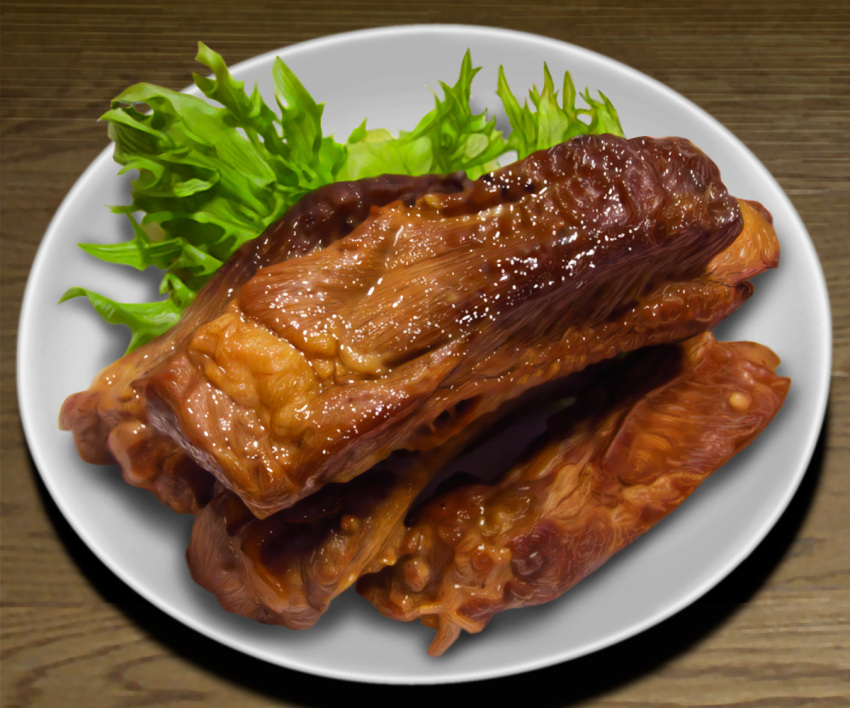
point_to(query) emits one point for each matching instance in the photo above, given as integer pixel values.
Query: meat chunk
(626, 454)
(287, 568)
(431, 314)
(110, 421)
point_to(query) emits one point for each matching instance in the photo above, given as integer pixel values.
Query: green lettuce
(212, 176)
(548, 123)
(450, 138)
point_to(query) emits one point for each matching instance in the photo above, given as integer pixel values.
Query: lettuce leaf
(145, 320)
(211, 177)
(449, 138)
(549, 123)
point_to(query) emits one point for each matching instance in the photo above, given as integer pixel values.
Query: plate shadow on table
(559, 685)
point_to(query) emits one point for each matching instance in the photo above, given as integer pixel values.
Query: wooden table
(776, 633)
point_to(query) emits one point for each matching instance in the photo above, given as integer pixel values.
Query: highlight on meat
(310, 405)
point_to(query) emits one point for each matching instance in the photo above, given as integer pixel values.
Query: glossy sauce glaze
(628, 452)
(285, 569)
(110, 421)
(430, 314)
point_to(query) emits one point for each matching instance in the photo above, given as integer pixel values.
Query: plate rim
(25, 322)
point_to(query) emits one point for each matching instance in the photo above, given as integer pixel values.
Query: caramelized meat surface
(110, 421)
(627, 453)
(431, 314)
(313, 404)
(287, 568)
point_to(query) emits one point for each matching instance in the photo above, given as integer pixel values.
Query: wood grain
(776, 633)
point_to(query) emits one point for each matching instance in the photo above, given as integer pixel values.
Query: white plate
(383, 74)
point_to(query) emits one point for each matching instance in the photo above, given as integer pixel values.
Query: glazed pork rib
(625, 455)
(287, 568)
(109, 420)
(431, 314)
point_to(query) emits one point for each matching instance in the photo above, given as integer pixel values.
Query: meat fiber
(110, 421)
(431, 314)
(626, 454)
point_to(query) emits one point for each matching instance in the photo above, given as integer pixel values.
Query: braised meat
(621, 458)
(315, 403)
(110, 421)
(430, 314)
(286, 569)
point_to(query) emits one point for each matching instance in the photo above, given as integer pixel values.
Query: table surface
(775, 633)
